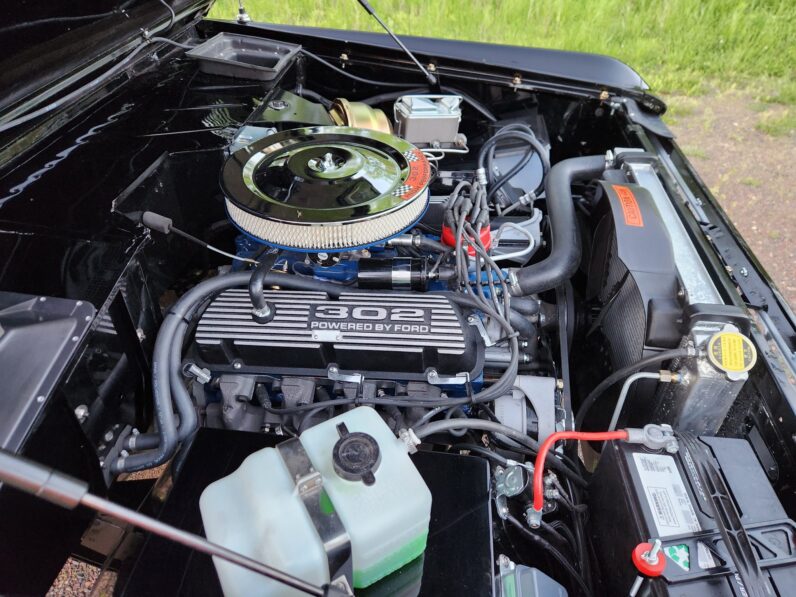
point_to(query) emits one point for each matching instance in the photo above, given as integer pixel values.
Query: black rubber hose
(257, 278)
(480, 424)
(352, 76)
(623, 373)
(526, 306)
(564, 258)
(309, 93)
(162, 361)
(485, 155)
(521, 324)
(164, 415)
(548, 548)
(182, 400)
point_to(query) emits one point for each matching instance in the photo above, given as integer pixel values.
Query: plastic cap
(644, 565)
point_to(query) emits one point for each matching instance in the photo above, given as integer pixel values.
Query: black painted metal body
(155, 139)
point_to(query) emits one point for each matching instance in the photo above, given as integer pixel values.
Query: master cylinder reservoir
(347, 484)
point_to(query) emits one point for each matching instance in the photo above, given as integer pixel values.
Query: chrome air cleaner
(326, 188)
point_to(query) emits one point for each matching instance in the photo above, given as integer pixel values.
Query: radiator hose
(562, 262)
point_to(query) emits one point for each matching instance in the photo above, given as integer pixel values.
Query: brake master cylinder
(342, 503)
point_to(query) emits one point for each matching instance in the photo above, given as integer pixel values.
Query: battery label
(666, 495)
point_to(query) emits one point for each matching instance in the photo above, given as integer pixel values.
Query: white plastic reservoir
(257, 511)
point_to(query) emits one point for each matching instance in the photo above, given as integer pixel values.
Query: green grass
(778, 125)
(679, 46)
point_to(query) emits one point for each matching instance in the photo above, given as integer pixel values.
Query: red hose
(538, 471)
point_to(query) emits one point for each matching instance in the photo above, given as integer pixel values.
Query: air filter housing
(326, 188)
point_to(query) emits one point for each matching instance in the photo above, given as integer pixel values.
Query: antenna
(432, 80)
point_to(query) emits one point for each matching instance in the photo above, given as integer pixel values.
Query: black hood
(48, 41)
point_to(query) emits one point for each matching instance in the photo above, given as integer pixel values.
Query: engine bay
(483, 286)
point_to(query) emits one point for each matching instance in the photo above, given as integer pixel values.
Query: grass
(778, 125)
(695, 152)
(679, 46)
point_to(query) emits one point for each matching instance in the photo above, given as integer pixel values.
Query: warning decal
(418, 177)
(630, 209)
(732, 352)
(667, 498)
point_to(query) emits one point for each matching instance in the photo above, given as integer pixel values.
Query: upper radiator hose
(564, 258)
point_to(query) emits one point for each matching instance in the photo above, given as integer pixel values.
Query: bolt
(108, 436)
(323, 256)
(517, 80)
(81, 412)
(559, 384)
(432, 68)
(141, 335)
(75, 338)
(332, 369)
(604, 95)
(343, 57)
(39, 399)
(124, 453)
(237, 365)
(651, 556)
(744, 272)
(42, 298)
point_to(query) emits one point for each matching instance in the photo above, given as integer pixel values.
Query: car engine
(448, 339)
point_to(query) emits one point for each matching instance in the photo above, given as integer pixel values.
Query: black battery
(638, 495)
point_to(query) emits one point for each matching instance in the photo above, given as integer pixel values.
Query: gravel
(750, 173)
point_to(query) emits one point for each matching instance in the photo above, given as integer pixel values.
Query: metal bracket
(541, 392)
(309, 487)
(434, 378)
(509, 482)
(333, 372)
(474, 320)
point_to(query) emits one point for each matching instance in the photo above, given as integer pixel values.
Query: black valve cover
(395, 336)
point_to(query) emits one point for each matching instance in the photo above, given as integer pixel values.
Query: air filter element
(326, 188)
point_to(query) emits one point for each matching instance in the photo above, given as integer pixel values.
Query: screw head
(237, 365)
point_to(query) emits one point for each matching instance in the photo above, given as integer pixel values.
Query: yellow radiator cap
(732, 352)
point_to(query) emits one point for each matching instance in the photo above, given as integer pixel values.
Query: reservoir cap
(356, 456)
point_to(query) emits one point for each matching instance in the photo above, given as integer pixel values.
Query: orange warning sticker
(630, 208)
